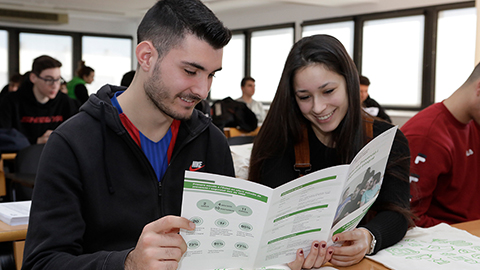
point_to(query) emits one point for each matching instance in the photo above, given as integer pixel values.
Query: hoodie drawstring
(104, 139)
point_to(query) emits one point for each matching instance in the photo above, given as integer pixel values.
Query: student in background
(316, 105)
(108, 191)
(12, 86)
(37, 107)
(369, 104)
(248, 90)
(127, 78)
(76, 87)
(444, 141)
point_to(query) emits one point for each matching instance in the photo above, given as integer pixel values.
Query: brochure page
(242, 224)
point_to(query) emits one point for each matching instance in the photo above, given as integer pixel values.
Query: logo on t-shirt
(420, 158)
(196, 165)
(469, 152)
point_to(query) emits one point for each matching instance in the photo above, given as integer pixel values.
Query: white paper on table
(438, 247)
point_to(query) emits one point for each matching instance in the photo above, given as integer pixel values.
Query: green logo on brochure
(205, 205)
(241, 246)
(222, 223)
(218, 243)
(193, 244)
(245, 227)
(244, 210)
(197, 220)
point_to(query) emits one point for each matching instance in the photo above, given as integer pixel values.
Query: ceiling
(136, 8)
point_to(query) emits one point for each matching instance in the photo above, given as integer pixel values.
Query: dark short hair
(245, 80)
(127, 78)
(168, 21)
(364, 80)
(44, 62)
(15, 78)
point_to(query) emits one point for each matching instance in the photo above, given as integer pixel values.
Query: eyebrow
(320, 87)
(51, 77)
(198, 66)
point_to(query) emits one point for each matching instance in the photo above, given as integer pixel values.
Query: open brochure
(245, 224)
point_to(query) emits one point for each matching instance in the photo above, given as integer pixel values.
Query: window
(3, 55)
(227, 81)
(455, 50)
(57, 46)
(343, 31)
(270, 49)
(109, 57)
(392, 59)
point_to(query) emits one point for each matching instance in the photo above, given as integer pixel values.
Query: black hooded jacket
(96, 190)
(22, 111)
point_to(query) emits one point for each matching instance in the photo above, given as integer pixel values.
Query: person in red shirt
(444, 142)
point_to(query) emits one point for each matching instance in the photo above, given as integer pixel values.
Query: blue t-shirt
(156, 152)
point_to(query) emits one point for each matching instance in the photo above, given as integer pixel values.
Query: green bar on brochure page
(293, 235)
(309, 184)
(300, 211)
(224, 189)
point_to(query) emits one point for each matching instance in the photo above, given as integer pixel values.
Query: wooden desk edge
(12, 233)
(9, 156)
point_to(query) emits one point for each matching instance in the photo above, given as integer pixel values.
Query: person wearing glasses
(38, 107)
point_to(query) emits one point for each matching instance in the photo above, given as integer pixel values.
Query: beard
(159, 94)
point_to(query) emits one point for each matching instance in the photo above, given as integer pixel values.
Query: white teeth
(186, 100)
(325, 117)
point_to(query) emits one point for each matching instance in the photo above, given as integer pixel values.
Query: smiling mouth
(187, 100)
(321, 118)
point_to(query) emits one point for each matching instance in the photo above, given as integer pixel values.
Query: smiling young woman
(318, 103)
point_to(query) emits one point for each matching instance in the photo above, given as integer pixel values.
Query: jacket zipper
(159, 189)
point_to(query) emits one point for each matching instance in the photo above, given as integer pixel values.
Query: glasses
(50, 81)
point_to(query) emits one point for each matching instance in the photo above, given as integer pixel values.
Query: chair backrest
(240, 140)
(27, 159)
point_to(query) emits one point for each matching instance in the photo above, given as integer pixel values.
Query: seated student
(12, 86)
(318, 103)
(76, 87)
(37, 107)
(369, 104)
(444, 141)
(248, 90)
(108, 193)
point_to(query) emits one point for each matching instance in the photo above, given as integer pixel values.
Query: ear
(32, 77)
(146, 55)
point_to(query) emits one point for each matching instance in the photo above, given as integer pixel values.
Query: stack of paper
(15, 213)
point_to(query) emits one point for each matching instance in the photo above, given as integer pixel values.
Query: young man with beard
(109, 190)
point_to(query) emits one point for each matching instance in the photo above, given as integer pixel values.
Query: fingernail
(336, 239)
(192, 225)
(301, 252)
(323, 245)
(330, 252)
(316, 245)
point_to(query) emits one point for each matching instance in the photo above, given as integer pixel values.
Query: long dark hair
(284, 119)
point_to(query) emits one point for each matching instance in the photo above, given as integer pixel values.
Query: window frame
(14, 44)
